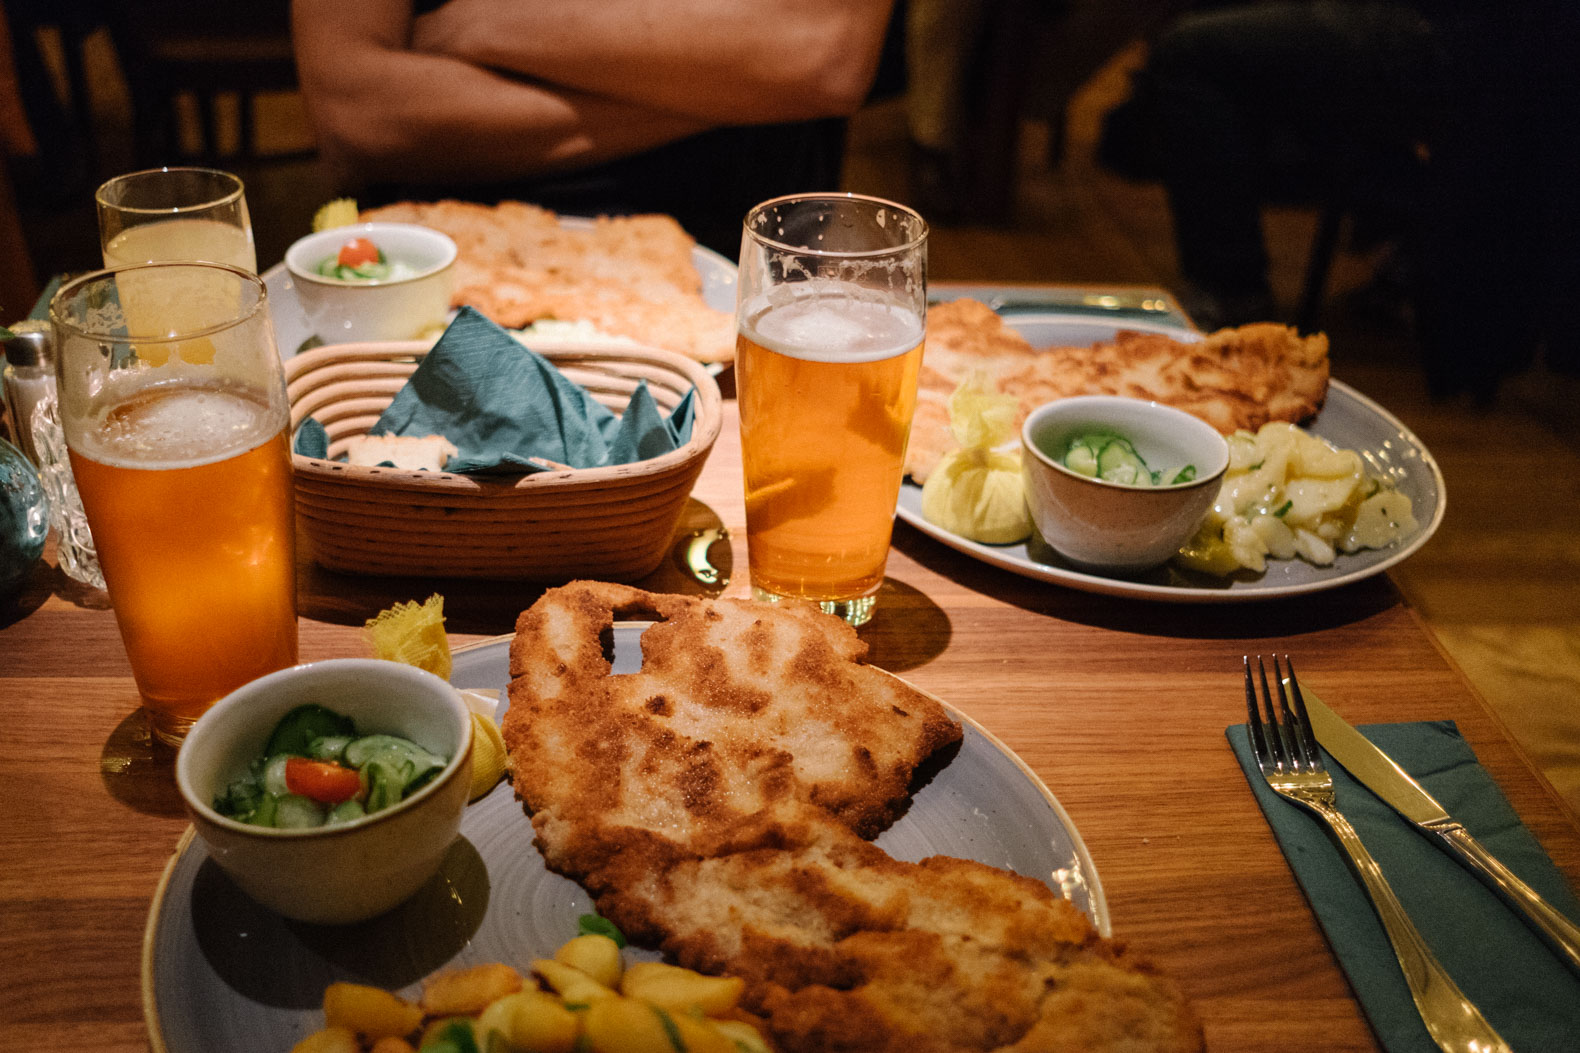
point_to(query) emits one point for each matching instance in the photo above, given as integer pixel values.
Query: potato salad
(1288, 493)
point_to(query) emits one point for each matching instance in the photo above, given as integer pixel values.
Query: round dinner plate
(1348, 419)
(221, 973)
(292, 330)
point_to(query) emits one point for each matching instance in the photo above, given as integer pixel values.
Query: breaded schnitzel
(739, 710)
(630, 276)
(1234, 378)
(716, 803)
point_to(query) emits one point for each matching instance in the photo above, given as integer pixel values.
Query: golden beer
(176, 417)
(188, 490)
(827, 386)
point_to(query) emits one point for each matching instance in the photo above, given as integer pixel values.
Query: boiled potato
(329, 1040)
(675, 988)
(390, 1044)
(1316, 458)
(531, 1020)
(1380, 520)
(1276, 535)
(1313, 548)
(464, 992)
(701, 1036)
(1311, 500)
(747, 1039)
(370, 1011)
(571, 983)
(596, 955)
(624, 1025)
(1289, 493)
(434, 1030)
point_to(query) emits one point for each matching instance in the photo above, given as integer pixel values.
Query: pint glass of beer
(830, 318)
(175, 214)
(177, 432)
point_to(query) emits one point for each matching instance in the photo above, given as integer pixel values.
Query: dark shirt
(708, 182)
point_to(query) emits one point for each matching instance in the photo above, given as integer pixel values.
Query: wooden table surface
(1080, 686)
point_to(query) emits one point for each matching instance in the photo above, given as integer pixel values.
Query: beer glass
(830, 318)
(175, 214)
(177, 433)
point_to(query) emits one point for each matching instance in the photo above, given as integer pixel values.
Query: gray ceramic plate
(221, 973)
(1348, 419)
(291, 328)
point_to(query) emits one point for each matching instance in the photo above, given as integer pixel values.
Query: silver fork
(1286, 751)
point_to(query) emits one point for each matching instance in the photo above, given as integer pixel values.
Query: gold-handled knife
(1378, 772)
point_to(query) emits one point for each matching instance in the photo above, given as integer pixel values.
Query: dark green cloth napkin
(1519, 985)
(501, 403)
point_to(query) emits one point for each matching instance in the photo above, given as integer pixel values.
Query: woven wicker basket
(614, 523)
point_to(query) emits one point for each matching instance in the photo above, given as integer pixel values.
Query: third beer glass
(830, 319)
(178, 438)
(175, 214)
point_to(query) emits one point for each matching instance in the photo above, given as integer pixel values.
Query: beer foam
(831, 326)
(180, 426)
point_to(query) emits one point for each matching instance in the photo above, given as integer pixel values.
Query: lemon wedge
(976, 491)
(412, 633)
(488, 755)
(341, 212)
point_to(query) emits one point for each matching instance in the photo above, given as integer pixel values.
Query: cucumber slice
(1082, 459)
(298, 813)
(1120, 463)
(386, 780)
(329, 748)
(297, 729)
(264, 814)
(345, 812)
(360, 751)
(273, 776)
(240, 799)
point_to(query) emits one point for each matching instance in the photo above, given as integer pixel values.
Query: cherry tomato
(356, 252)
(323, 781)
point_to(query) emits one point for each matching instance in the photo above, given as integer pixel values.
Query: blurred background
(1021, 139)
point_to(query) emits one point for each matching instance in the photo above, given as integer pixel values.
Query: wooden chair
(204, 50)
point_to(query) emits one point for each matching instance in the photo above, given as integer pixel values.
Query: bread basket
(615, 523)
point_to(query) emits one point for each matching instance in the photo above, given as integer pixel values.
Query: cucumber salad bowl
(330, 792)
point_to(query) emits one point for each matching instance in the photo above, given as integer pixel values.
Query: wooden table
(1076, 684)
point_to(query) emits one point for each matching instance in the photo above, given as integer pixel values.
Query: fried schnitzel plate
(629, 276)
(710, 326)
(1348, 419)
(1234, 378)
(717, 803)
(209, 988)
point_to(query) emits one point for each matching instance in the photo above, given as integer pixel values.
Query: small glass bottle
(30, 401)
(29, 379)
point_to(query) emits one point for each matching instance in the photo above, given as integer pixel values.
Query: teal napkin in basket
(500, 403)
(1519, 985)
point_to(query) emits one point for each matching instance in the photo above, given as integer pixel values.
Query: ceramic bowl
(332, 874)
(1110, 527)
(395, 309)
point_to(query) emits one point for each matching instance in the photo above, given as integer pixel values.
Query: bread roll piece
(426, 452)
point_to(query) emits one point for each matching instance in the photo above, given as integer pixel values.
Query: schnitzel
(716, 804)
(739, 710)
(1232, 379)
(629, 276)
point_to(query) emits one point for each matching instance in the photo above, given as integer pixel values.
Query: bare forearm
(722, 61)
(384, 112)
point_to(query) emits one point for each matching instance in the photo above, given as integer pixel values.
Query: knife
(1119, 300)
(1378, 772)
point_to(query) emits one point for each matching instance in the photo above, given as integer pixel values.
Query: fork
(1286, 751)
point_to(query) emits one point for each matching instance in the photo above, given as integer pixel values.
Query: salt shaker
(30, 401)
(29, 379)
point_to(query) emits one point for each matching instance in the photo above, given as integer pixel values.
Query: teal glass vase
(24, 518)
